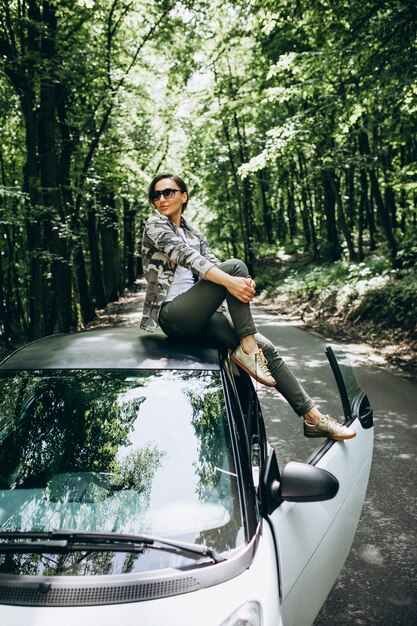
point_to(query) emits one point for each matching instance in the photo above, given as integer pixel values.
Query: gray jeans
(194, 312)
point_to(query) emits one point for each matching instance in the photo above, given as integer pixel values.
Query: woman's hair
(181, 184)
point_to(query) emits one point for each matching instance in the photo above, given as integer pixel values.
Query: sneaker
(328, 427)
(255, 365)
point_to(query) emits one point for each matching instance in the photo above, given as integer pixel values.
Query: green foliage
(72, 420)
(293, 122)
(408, 249)
(137, 469)
(368, 291)
(393, 305)
(310, 280)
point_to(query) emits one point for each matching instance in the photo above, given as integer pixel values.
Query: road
(377, 584)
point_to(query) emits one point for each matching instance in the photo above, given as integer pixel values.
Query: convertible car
(137, 486)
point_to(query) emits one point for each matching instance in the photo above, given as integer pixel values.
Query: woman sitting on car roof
(186, 287)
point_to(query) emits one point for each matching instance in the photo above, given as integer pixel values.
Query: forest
(293, 121)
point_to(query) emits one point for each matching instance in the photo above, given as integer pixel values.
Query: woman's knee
(235, 267)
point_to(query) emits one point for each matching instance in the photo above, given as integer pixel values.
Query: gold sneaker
(330, 428)
(255, 365)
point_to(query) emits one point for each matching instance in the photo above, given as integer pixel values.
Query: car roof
(112, 348)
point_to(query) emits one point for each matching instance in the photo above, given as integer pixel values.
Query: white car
(137, 487)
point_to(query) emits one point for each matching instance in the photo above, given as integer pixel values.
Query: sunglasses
(167, 193)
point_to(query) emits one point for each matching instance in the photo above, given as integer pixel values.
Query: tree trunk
(305, 219)
(383, 213)
(308, 204)
(97, 280)
(81, 284)
(330, 212)
(249, 225)
(391, 205)
(363, 212)
(281, 224)
(233, 226)
(110, 249)
(129, 243)
(6, 259)
(291, 213)
(37, 293)
(335, 186)
(350, 189)
(80, 272)
(5, 331)
(247, 199)
(403, 195)
(138, 263)
(266, 207)
(372, 226)
(389, 194)
(237, 193)
(48, 161)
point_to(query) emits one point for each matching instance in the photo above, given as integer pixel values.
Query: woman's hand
(241, 288)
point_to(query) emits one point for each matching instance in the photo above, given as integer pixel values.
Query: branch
(93, 147)
(113, 93)
(110, 33)
(122, 14)
(139, 48)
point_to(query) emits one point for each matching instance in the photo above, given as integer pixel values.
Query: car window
(118, 451)
(345, 378)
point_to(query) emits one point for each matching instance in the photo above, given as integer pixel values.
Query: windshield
(116, 451)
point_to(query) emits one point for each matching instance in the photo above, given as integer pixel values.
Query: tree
(293, 121)
(69, 65)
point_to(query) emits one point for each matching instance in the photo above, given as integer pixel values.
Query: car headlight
(249, 614)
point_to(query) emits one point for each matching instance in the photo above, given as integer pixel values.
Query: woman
(186, 286)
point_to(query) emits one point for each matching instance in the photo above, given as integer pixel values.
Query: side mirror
(298, 482)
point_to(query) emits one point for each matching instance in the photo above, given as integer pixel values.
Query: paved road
(378, 582)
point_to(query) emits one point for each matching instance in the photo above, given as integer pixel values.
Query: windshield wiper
(61, 541)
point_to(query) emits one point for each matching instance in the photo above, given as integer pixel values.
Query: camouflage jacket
(162, 250)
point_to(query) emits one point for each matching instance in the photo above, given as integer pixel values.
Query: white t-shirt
(183, 277)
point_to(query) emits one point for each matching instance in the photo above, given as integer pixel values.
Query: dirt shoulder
(385, 347)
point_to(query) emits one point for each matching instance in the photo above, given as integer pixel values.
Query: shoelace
(260, 357)
(332, 420)
(334, 423)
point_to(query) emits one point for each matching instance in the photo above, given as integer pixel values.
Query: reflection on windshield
(115, 451)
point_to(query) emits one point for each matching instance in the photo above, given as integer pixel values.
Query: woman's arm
(159, 235)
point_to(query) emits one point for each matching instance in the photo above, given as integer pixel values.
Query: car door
(313, 539)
